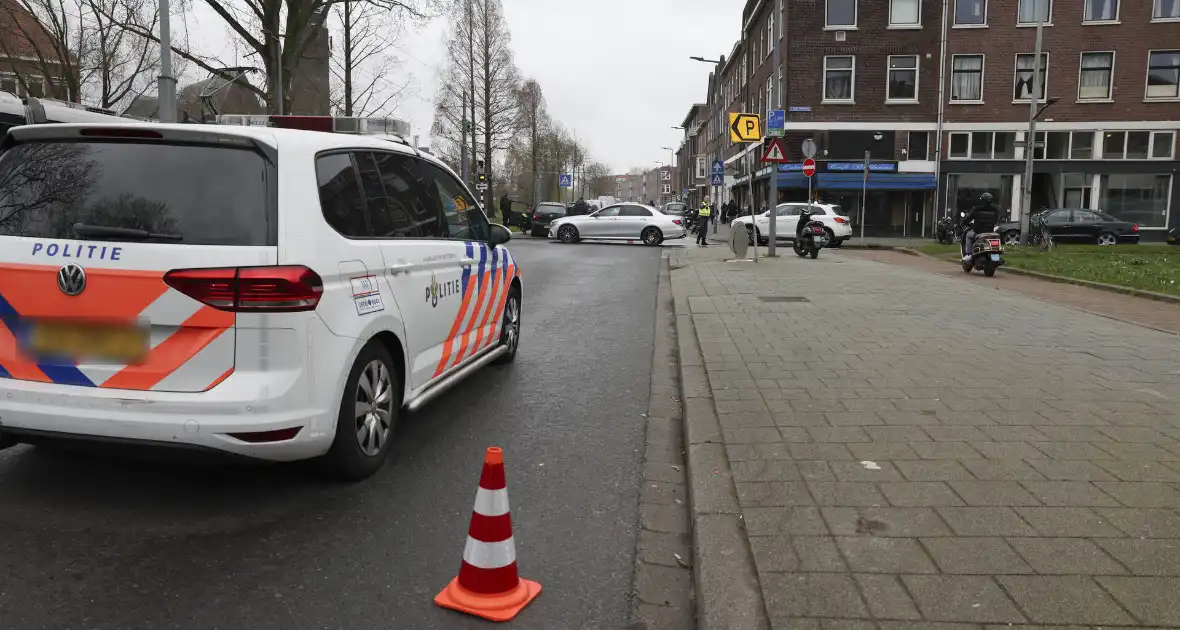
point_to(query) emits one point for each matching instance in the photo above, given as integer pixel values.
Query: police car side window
(341, 198)
(409, 207)
(634, 211)
(464, 220)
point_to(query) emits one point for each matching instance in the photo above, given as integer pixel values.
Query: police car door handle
(466, 262)
(396, 269)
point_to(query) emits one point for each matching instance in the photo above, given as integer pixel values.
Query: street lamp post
(1030, 140)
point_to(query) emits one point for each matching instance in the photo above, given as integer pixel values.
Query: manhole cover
(783, 298)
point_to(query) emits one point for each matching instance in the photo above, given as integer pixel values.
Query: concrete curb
(1112, 288)
(728, 593)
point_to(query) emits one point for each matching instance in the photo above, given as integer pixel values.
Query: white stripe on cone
(491, 502)
(485, 555)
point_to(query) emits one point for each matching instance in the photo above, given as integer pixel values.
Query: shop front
(889, 203)
(1143, 193)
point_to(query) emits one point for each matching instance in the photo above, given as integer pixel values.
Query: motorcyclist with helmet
(981, 219)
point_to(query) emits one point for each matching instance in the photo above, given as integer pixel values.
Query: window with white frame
(1101, 11)
(840, 14)
(970, 12)
(905, 13)
(1163, 74)
(1033, 11)
(1095, 76)
(770, 33)
(903, 79)
(967, 78)
(1064, 145)
(1166, 10)
(700, 167)
(8, 83)
(1025, 82)
(839, 78)
(666, 189)
(770, 104)
(1163, 145)
(982, 145)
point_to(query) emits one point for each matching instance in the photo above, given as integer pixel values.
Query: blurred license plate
(126, 344)
(996, 257)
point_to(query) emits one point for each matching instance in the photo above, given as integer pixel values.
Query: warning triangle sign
(772, 151)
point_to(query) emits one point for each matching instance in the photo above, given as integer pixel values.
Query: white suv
(838, 225)
(269, 293)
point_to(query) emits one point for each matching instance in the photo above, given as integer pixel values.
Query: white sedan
(838, 225)
(627, 222)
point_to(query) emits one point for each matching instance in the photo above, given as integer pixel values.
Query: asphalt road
(97, 542)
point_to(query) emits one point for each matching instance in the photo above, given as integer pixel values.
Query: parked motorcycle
(812, 239)
(944, 231)
(986, 254)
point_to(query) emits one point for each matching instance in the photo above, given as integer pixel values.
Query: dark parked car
(1076, 225)
(544, 214)
(676, 208)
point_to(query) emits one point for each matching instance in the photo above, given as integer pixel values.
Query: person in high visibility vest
(703, 224)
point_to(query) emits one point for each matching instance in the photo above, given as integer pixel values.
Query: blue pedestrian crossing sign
(718, 179)
(718, 168)
(566, 180)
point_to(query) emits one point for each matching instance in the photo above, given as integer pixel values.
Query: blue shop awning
(792, 180)
(877, 181)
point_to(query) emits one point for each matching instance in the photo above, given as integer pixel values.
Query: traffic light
(481, 178)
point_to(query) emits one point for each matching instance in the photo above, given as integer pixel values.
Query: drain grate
(782, 298)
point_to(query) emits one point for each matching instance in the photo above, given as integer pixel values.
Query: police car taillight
(306, 123)
(286, 289)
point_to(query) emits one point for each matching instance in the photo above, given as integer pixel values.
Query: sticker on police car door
(366, 295)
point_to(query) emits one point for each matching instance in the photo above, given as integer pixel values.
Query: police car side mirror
(499, 235)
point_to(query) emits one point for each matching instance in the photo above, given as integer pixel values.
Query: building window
(1166, 10)
(970, 12)
(35, 85)
(1101, 11)
(1126, 145)
(1095, 76)
(983, 145)
(1163, 74)
(701, 172)
(960, 148)
(840, 14)
(770, 33)
(918, 146)
(967, 78)
(903, 78)
(8, 83)
(905, 13)
(1138, 198)
(1033, 11)
(1023, 86)
(1075, 190)
(1054, 145)
(966, 188)
(839, 78)
(1081, 145)
(1163, 144)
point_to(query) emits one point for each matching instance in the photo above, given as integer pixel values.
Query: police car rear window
(196, 194)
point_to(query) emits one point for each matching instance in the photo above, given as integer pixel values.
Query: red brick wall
(1064, 42)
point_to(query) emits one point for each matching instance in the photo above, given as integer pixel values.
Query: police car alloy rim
(374, 408)
(512, 324)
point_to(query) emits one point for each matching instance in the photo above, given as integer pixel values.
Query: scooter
(811, 239)
(986, 254)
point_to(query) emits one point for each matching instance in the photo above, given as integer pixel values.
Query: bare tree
(363, 65)
(82, 49)
(534, 121)
(277, 32)
(480, 57)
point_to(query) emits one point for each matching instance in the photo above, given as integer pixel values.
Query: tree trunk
(487, 106)
(471, 81)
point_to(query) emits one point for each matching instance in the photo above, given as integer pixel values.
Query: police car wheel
(368, 413)
(510, 327)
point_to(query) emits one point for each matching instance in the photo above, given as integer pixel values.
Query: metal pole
(279, 73)
(750, 170)
(1030, 140)
(776, 97)
(941, 114)
(166, 86)
(864, 195)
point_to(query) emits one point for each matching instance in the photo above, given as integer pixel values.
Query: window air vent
(841, 36)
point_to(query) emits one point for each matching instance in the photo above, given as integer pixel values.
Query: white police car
(269, 293)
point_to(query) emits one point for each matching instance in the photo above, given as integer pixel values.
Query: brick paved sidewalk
(907, 449)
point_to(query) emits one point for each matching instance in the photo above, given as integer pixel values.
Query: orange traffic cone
(488, 585)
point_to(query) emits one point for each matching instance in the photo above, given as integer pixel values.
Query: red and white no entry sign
(809, 167)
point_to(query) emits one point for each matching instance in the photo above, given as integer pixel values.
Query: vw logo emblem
(71, 279)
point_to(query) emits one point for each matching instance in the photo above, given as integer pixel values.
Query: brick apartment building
(864, 76)
(29, 61)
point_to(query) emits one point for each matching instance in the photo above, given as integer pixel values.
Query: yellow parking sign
(745, 128)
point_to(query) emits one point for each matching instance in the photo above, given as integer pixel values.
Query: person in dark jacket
(581, 207)
(980, 220)
(506, 209)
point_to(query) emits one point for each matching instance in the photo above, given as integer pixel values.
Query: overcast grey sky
(615, 71)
